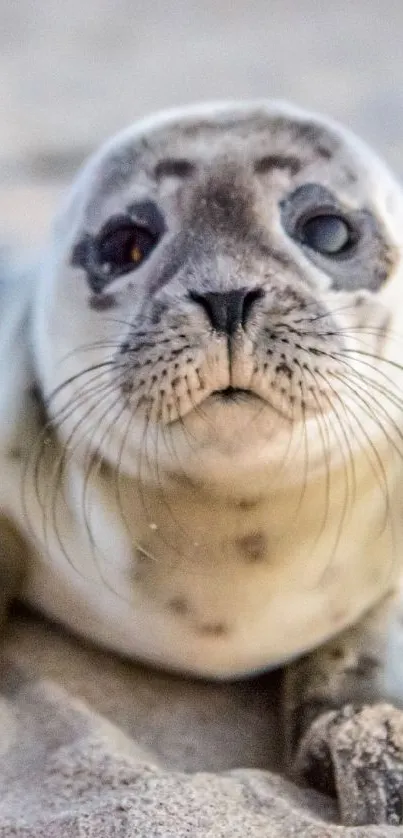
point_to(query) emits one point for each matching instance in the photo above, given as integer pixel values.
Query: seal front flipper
(341, 736)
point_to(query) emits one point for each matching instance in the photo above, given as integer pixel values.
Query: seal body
(214, 332)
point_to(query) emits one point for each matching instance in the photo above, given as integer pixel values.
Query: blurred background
(72, 73)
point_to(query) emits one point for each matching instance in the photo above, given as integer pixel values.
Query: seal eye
(348, 245)
(123, 245)
(330, 235)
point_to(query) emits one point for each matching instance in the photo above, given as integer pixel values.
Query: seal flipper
(341, 736)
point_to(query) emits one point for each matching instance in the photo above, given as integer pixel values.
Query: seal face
(213, 336)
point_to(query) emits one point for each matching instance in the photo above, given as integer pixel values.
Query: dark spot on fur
(253, 546)
(278, 161)
(215, 210)
(105, 469)
(213, 629)
(247, 504)
(351, 177)
(102, 302)
(322, 145)
(284, 369)
(127, 387)
(323, 151)
(158, 310)
(179, 605)
(174, 168)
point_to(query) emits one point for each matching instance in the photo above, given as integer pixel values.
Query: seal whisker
(358, 383)
(383, 482)
(92, 464)
(392, 395)
(322, 424)
(46, 434)
(92, 346)
(389, 361)
(348, 464)
(56, 486)
(109, 364)
(80, 398)
(152, 468)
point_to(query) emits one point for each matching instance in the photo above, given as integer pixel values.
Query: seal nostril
(250, 299)
(228, 310)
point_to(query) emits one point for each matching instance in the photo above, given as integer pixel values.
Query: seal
(202, 443)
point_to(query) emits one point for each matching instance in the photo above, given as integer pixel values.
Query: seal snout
(228, 311)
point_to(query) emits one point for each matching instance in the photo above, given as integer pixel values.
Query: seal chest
(215, 343)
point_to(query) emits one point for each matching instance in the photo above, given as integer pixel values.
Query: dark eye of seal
(347, 244)
(313, 217)
(123, 245)
(329, 235)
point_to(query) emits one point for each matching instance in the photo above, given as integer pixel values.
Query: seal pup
(202, 443)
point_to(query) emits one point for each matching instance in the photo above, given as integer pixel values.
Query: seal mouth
(235, 394)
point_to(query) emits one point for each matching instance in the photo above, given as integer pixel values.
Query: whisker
(93, 346)
(74, 378)
(325, 441)
(56, 486)
(47, 436)
(92, 466)
(357, 398)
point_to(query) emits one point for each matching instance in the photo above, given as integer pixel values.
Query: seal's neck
(178, 523)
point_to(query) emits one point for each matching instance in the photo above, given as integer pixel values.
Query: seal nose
(228, 310)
